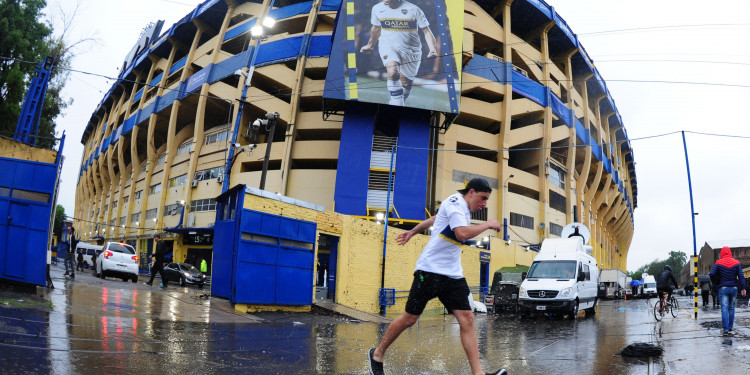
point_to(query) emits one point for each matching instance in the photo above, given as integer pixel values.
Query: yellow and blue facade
(535, 119)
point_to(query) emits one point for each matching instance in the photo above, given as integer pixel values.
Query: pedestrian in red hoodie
(728, 277)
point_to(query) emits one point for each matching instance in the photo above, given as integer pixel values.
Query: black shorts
(453, 293)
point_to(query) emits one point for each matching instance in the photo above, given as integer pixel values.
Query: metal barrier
(388, 296)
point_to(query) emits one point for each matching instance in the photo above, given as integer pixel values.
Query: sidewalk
(328, 306)
(697, 346)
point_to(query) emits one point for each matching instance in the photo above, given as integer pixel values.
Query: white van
(649, 286)
(88, 250)
(563, 278)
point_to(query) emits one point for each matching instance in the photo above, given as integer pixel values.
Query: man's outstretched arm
(421, 227)
(431, 42)
(374, 36)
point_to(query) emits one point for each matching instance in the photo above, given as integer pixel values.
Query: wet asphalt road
(113, 327)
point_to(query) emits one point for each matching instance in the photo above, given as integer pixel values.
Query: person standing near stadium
(728, 276)
(438, 272)
(395, 29)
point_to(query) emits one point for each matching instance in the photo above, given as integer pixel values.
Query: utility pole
(271, 119)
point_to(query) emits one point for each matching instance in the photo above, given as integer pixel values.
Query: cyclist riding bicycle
(663, 280)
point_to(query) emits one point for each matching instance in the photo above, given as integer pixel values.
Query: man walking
(158, 265)
(394, 26)
(70, 253)
(438, 272)
(704, 284)
(727, 274)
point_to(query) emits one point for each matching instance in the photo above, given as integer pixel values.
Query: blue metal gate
(270, 258)
(26, 200)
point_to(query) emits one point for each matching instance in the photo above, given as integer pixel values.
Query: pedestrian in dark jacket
(79, 266)
(158, 265)
(728, 277)
(70, 253)
(663, 281)
(705, 287)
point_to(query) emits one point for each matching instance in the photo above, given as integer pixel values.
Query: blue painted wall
(26, 198)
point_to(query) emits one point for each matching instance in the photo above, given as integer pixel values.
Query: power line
(665, 27)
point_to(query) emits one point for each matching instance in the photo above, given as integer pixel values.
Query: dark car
(504, 291)
(184, 273)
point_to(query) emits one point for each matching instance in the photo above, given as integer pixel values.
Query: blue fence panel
(330, 5)
(239, 29)
(279, 50)
(229, 66)
(542, 6)
(138, 95)
(291, 10)
(320, 46)
(177, 66)
(156, 81)
(486, 68)
(528, 88)
(196, 80)
(581, 132)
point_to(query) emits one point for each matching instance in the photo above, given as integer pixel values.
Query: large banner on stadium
(398, 52)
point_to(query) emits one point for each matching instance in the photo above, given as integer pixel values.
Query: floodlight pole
(692, 216)
(385, 229)
(272, 119)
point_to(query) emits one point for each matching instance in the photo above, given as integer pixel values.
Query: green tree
(59, 219)
(677, 260)
(23, 43)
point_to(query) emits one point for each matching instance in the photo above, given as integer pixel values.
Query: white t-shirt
(400, 26)
(442, 255)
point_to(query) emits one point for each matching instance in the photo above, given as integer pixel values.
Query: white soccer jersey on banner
(400, 26)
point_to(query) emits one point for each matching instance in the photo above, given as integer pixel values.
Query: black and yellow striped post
(692, 214)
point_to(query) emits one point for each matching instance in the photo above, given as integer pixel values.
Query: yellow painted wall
(19, 150)
(360, 256)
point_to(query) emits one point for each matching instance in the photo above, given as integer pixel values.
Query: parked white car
(117, 260)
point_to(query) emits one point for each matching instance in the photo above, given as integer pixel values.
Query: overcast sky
(670, 66)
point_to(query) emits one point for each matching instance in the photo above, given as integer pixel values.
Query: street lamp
(270, 121)
(257, 33)
(505, 208)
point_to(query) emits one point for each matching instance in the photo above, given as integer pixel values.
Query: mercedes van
(562, 279)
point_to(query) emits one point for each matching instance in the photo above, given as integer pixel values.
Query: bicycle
(662, 306)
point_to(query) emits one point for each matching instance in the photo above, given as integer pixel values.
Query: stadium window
(557, 201)
(520, 220)
(216, 137)
(208, 174)
(480, 215)
(203, 205)
(177, 181)
(185, 148)
(154, 189)
(557, 176)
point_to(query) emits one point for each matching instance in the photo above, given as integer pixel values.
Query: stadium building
(225, 97)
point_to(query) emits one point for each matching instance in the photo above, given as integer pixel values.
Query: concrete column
(503, 171)
(291, 129)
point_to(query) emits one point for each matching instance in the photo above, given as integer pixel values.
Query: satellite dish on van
(576, 229)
